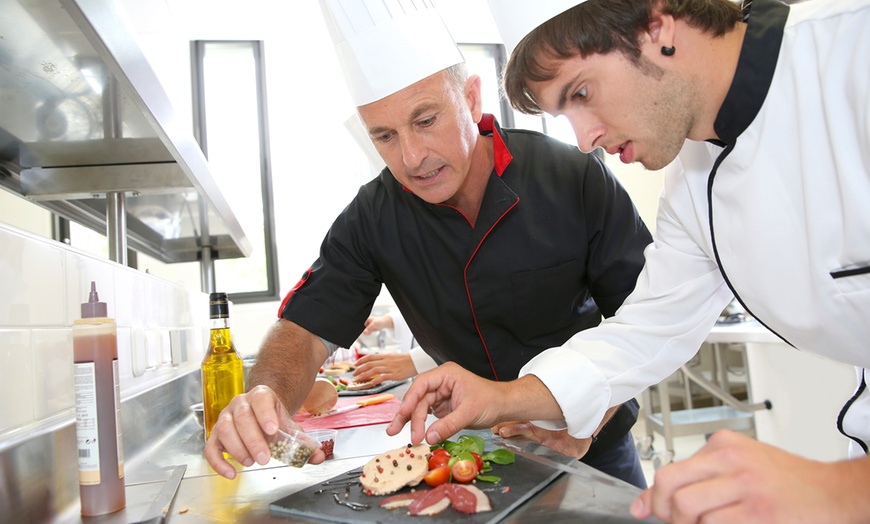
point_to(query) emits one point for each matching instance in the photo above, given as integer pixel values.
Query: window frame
(199, 121)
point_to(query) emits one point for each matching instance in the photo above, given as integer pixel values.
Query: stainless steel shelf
(84, 119)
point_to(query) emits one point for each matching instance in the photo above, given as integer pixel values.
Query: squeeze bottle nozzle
(93, 307)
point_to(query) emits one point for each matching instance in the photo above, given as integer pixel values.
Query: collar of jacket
(488, 126)
(755, 68)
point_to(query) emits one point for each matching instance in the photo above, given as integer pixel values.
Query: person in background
(765, 109)
(378, 366)
(494, 244)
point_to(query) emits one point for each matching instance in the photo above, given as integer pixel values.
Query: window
(486, 60)
(232, 128)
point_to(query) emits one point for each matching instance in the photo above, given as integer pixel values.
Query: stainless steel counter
(581, 494)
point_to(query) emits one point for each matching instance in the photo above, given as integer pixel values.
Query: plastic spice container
(326, 438)
(292, 447)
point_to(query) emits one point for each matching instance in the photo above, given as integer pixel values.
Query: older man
(495, 244)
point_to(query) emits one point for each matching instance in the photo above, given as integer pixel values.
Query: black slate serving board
(524, 478)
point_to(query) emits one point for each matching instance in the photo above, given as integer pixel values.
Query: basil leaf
(500, 456)
(472, 443)
(464, 455)
(450, 446)
(488, 478)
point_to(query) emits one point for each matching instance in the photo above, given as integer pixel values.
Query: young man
(495, 244)
(767, 113)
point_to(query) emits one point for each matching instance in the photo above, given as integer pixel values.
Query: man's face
(640, 111)
(425, 133)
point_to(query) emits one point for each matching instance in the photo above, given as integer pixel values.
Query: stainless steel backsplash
(39, 476)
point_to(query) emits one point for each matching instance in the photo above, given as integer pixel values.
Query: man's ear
(473, 97)
(661, 28)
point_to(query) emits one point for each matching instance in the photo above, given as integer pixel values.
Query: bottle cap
(218, 305)
(93, 308)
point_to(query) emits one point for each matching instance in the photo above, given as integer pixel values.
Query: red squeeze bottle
(98, 410)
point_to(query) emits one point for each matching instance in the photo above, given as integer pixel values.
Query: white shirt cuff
(422, 361)
(581, 391)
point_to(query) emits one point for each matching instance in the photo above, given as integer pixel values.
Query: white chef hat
(386, 45)
(517, 18)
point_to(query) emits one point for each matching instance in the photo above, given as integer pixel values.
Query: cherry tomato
(437, 461)
(441, 452)
(437, 476)
(478, 460)
(464, 470)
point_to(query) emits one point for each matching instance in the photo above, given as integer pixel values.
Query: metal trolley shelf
(734, 414)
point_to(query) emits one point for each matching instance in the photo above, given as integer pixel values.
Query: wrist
(527, 398)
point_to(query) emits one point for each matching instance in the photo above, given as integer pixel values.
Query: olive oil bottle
(223, 375)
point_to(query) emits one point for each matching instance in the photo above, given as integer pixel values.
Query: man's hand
(460, 399)
(558, 440)
(734, 478)
(242, 428)
(377, 323)
(379, 367)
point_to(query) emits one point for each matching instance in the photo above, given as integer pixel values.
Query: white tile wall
(42, 286)
(29, 270)
(17, 361)
(52, 359)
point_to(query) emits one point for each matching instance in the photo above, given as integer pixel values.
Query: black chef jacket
(557, 244)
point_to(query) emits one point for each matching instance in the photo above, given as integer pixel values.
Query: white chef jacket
(783, 223)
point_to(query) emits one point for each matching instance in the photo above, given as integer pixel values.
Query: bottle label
(118, 425)
(87, 428)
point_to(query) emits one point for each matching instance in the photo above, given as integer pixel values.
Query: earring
(668, 51)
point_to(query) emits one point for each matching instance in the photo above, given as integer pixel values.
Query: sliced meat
(482, 501)
(402, 500)
(462, 500)
(432, 497)
(434, 509)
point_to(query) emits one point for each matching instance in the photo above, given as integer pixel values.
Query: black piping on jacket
(748, 91)
(744, 100)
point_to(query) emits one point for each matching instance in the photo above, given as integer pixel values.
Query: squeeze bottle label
(87, 423)
(118, 427)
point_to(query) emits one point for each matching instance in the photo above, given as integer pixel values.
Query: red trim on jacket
(503, 157)
(290, 294)
(468, 291)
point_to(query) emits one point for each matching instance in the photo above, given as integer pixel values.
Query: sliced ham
(402, 500)
(434, 509)
(464, 499)
(429, 498)
(482, 501)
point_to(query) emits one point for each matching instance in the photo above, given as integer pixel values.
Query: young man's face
(641, 112)
(425, 133)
